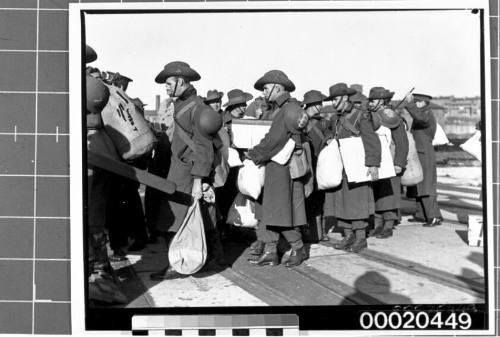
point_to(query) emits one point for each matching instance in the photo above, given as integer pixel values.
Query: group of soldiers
(290, 200)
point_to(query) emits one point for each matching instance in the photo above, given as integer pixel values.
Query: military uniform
(283, 200)
(387, 192)
(423, 129)
(352, 204)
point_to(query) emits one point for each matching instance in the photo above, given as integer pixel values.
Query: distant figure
(423, 130)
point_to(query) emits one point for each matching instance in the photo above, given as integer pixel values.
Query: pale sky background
(435, 52)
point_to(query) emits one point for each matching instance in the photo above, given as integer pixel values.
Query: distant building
(460, 106)
(455, 125)
(151, 115)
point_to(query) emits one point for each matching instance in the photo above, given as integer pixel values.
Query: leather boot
(296, 257)
(379, 226)
(346, 242)
(257, 248)
(358, 245)
(266, 259)
(433, 222)
(386, 233)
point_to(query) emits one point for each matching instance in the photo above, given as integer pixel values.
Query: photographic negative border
(78, 157)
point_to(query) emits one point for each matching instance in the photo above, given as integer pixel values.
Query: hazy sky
(435, 52)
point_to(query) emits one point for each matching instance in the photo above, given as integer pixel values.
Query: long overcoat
(283, 199)
(423, 129)
(354, 201)
(387, 192)
(185, 165)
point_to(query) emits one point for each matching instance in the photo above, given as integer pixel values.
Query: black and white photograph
(280, 155)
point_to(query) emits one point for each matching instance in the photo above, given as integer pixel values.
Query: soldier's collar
(282, 99)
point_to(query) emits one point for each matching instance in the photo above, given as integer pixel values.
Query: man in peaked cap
(283, 200)
(191, 164)
(352, 204)
(387, 192)
(423, 129)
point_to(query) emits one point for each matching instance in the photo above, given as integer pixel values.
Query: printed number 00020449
(411, 320)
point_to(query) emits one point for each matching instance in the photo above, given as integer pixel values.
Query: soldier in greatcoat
(283, 204)
(188, 168)
(423, 129)
(352, 204)
(387, 192)
(315, 130)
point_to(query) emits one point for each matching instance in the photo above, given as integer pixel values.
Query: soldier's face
(373, 104)
(313, 110)
(238, 112)
(215, 105)
(420, 104)
(174, 85)
(340, 102)
(271, 92)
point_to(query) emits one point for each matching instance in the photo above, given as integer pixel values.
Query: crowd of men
(290, 201)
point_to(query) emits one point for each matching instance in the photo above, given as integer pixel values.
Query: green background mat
(34, 165)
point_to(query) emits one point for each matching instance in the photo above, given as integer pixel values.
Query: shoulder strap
(185, 109)
(318, 132)
(185, 137)
(351, 126)
(183, 133)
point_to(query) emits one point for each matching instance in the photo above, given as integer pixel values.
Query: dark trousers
(427, 207)
(387, 215)
(271, 236)
(125, 217)
(352, 224)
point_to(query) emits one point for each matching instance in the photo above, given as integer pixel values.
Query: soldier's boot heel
(297, 256)
(358, 245)
(266, 259)
(346, 242)
(257, 248)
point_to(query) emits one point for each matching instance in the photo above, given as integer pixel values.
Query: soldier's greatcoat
(423, 129)
(354, 201)
(387, 192)
(185, 164)
(283, 200)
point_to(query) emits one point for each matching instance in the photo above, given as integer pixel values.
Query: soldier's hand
(398, 169)
(302, 122)
(373, 172)
(197, 191)
(409, 98)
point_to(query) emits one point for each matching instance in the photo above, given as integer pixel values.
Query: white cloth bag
(329, 167)
(251, 179)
